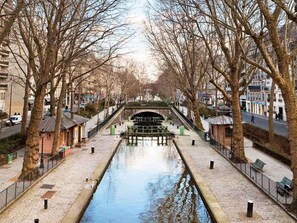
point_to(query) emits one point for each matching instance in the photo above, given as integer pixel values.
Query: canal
(146, 183)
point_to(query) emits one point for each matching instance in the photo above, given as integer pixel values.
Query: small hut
(72, 132)
(221, 129)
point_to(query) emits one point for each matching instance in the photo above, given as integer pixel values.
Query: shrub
(12, 143)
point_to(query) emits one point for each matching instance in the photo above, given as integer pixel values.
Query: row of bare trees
(210, 40)
(51, 41)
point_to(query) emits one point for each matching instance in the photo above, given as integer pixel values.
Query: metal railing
(15, 190)
(202, 134)
(261, 180)
(93, 131)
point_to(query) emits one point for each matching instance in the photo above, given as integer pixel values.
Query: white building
(257, 97)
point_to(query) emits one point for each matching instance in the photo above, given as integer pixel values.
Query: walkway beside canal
(230, 188)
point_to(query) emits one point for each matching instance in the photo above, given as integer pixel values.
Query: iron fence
(260, 179)
(12, 192)
(93, 131)
(201, 133)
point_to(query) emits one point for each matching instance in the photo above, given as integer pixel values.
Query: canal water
(146, 183)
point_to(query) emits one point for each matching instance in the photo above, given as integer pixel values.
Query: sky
(138, 46)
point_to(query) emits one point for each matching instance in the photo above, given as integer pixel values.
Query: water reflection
(146, 183)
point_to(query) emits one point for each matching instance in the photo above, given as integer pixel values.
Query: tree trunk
(291, 111)
(79, 99)
(26, 102)
(189, 109)
(59, 114)
(216, 103)
(197, 114)
(270, 117)
(31, 157)
(237, 137)
(72, 99)
(52, 99)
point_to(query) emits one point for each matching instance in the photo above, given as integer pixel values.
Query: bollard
(92, 149)
(193, 142)
(211, 164)
(249, 213)
(45, 203)
(36, 220)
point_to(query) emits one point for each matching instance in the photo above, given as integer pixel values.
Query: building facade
(5, 86)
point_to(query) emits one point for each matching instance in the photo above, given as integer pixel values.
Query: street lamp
(41, 159)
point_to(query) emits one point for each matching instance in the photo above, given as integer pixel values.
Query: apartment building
(5, 87)
(256, 98)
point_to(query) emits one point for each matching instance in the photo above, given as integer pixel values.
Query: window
(2, 96)
(228, 132)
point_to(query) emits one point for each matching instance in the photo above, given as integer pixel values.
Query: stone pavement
(231, 189)
(274, 169)
(68, 179)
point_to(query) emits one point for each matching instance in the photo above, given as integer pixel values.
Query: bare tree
(9, 11)
(276, 39)
(61, 31)
(224, 40)
(171, 36)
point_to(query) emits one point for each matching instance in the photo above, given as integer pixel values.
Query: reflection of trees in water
(174, 200)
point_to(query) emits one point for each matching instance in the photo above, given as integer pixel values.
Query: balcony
(4, 52)
(254, 87)
(268, 99)
(3, 75)
(266, 88)
(3, 86)
(4, 63)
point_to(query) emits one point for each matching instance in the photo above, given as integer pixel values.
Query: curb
(76, 211)
(211, 203)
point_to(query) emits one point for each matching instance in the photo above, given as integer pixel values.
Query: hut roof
(220, 120)
(48, 123)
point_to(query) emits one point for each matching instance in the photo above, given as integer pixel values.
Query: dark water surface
(146, 183)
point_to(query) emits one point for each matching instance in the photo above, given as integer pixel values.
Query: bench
(284, 187)
(258, 165)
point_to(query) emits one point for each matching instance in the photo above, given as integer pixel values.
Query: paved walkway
(231, 189)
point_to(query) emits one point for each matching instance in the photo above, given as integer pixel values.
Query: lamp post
(41, 159)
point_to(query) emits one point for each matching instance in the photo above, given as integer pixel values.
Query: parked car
(82, 105)
(14, 120)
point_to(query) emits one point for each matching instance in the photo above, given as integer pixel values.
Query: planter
(64, 151)
(9, 158)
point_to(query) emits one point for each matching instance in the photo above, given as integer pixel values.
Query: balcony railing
(3, 86)
(254, 87)
(4, 52)
(4, 63)
(3, 75)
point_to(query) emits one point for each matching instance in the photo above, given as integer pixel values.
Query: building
(5, 80)
(257, 97)
(72, 132)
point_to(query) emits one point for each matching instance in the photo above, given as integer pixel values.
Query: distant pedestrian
(253, 119)
(276, 116)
